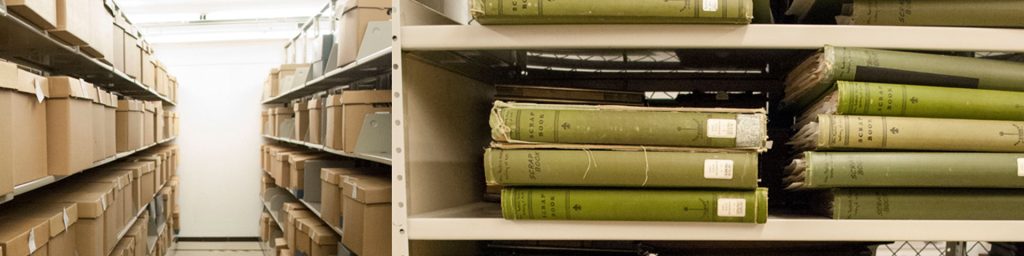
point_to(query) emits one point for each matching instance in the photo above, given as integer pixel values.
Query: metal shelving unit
(372, 65)
(42, 182)
(313, 207)
(443, 84)
(34, 48)
(372, 158)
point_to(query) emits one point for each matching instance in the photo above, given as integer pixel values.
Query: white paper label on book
(732, 207)
(721, 128)
(1020, 167)
(710, 5)
(719, 169)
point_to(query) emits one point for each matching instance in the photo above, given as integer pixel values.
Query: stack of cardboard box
(346, 113)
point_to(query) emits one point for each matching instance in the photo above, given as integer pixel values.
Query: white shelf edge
(757, 36)
(465, 226)
(316, 147)
(45, 181)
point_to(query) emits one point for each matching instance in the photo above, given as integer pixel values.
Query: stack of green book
(586, 162)
(952, 148)
(491, 12)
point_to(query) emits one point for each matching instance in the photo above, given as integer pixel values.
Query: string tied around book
(647, 167)
(498, 122)
(590, 162)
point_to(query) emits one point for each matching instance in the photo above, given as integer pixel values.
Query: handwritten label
(39, 91)
(1020, 167)
(710, 5)
(32, 241)
(721, 128)
(66, 221)
(732, 207)
(719, 169)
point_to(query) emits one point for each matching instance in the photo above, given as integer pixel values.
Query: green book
(492, 12)
(816, 170)
(635, 205)
(988, 13)
(879, 99)
(620, 168)
(622, 125)
(816, 76)
(846, 132)
(924, 204)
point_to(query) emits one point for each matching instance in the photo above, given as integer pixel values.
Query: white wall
(219, 102)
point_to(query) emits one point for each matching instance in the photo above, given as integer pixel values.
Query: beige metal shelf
(374, 64)
(35, 48)
(312, 207)
(372, 158)
(475, 37)
(44, 181)
(482, 221)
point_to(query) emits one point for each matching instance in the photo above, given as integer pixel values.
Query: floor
(217, 249)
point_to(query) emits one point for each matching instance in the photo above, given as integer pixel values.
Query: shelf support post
(956, 248)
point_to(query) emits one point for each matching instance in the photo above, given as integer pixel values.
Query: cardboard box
(291, 225)
(73, 20)
(147, 183)
(158, 118)
(323, 241)
(90, 228)
(367, 222)
(110, 124)
(301, 109)
(100, 42)
(297, 168)
(139, 232)
(23, 127)
(61, 218)
(286, 77)
(317, 120)
(302, 241)
(112, 217)
(98, 130)
(69, 126)
(133, 191)
(285, 119)
(280, 167)
(124, 247)
(148, 123)
(22, 237)
(330, 197)
(130, 116)
(41, 13)
(272, 86)
(118, 39)
(356, 105)
(352, 18)
(132, 56)
(148, 69)
(334, 135)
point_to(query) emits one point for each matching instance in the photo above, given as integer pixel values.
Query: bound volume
(878, 99)
(635, 205)
(923, 204)
(846, 132)
(489, 12)
(622, 125)
(620, 168)
(818, 74)
(988, 13)
(815, 170)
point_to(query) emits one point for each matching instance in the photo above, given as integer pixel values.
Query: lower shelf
(482, 221)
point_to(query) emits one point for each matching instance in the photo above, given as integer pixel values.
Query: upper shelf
(475, 37)
(373, 64)
(482, 221)
(27, 45)
(368, 157)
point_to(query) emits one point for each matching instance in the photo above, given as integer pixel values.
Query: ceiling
(191, 21)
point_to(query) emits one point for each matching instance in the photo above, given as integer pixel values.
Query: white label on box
(39, 91)
(1020, 167)
(66, 224)
(103, 201)
(719, 169)
(721, 128)
(710, 5)
(32, 241)
(732, 207)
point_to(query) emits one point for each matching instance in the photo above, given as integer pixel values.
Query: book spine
(612, 11)
(627, 127)
(882, 66)
(635, 205)
(999, 13)
(929, 134)
(878, 99)
(928, 204)
(606, 168)
(914, 169)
